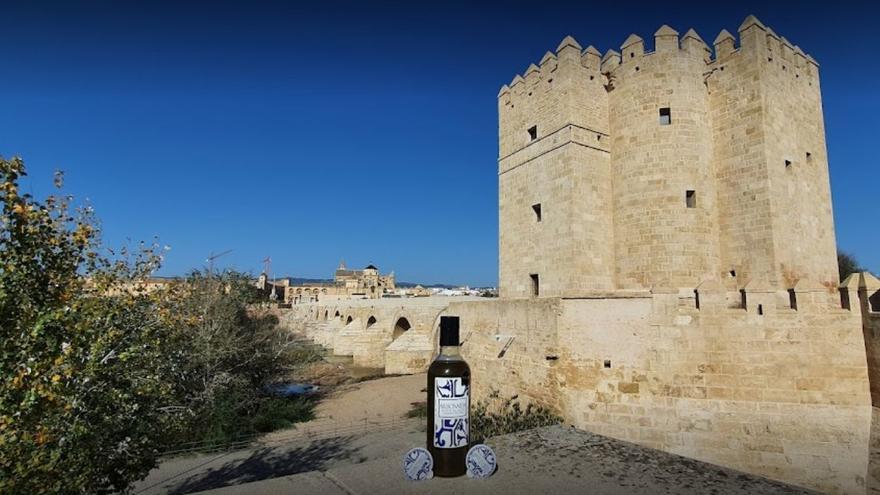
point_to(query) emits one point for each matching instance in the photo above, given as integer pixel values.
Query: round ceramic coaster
(480, 461)
(418, 465)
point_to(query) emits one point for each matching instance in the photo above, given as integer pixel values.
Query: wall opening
(400, 327)
(607, 363)
(337, 315)
(348, 320)
(844, 299)
(665, 116)
(536, 284)
(792, 299)
(533, 133)
(760, 310)
(743, 299)
(371, 321)
(537, 209)
(787, 164)
(809, 156)
(874, 302)
(697, 298)
(733, 273)
(326, 314)
(690, 199)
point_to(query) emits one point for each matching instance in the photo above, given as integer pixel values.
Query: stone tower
(665, 168)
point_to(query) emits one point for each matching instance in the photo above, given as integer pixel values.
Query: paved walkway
(546, 460)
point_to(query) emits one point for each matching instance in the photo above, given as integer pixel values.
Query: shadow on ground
(265, 463)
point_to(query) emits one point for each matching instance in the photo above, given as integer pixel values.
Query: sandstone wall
(399, 335)
(582, 137)
(659, 238)
(784, 393)
(564, 167)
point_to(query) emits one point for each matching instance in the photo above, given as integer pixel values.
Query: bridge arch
(371, 321)
(401, 326)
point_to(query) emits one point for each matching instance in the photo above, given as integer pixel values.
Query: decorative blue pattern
(418, 465)
(450, 413)
(481, 461)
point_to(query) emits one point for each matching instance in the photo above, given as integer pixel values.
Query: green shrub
(418, 410)
(99, 373)
(496, 416)
(275, 413)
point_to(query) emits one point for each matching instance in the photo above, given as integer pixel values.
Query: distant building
(347, 284)
(273, 290)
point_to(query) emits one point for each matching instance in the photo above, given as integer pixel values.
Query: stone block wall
(743, 138)
(783, 393)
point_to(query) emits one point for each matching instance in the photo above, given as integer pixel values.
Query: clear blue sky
(314, 131)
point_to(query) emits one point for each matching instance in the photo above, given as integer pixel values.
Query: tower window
(665, 116)
(809, 156)
(690, 199)
(792, 299)
(533, 133)
(536, 287)
(537, 209)
(787, 163)
(844, 299)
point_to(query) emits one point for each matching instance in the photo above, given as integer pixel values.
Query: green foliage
(496, 416)
(847, 264)
(100, 372)
(230, 351)
(275, 413)
(418, 410)
(83, 377)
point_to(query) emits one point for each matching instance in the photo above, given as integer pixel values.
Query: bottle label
(451, 407)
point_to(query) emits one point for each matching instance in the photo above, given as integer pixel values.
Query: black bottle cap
(449, 331)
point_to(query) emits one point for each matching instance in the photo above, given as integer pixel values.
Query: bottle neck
(449, 352)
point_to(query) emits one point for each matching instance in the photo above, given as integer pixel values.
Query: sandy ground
(371, 402)
(382, 398)
(367, 460)
(352, 425)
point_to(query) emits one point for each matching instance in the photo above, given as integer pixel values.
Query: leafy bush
(496, 416)
(275, 413)
(99, 372)
(228, 351)
(82, 366)
(418, 410)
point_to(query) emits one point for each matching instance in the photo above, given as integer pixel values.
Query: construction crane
(267, 265)
(213, 257)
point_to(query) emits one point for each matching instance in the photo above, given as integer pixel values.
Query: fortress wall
(744, 196)
(776, 222)
(658, 238)
(507, 344)
(565, 168)
(801, 195)
(783, 394)
(566, 248)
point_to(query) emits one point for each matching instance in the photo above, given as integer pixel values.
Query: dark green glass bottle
(449, 397)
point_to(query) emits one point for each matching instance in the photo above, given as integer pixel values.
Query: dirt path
(377, 400)
(369, 406)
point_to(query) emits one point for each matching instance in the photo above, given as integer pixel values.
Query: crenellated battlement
(665, 160)
(755, 38)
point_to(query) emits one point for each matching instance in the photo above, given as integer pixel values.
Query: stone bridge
(399, 335)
